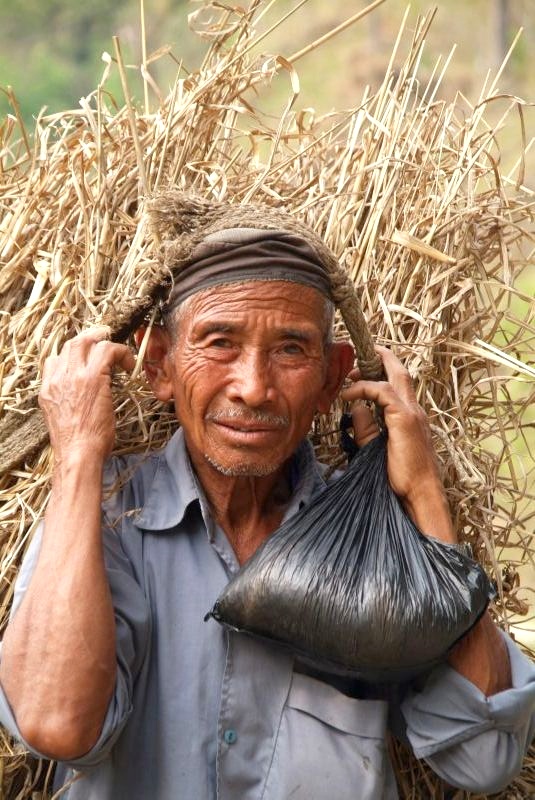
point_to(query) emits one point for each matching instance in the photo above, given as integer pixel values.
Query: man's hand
(76, 396)
(412, 465)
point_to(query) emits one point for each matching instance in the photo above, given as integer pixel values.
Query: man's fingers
(108, 355)
(354, 375)
(364, 424)
(127, 361)
(97, 333)
(395, 394)
(81, 344)
(88, 354)
(379, 392)
(397, 375)
(94, 345)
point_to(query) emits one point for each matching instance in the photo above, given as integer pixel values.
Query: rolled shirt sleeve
(472, 741)
(132, 623)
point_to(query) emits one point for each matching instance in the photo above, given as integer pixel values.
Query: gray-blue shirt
(201, 713)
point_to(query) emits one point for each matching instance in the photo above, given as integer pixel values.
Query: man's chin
(243, 469)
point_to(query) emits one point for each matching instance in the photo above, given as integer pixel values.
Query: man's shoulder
(122, 473)
(309, 475)
(126, 482)
(130, 476)
(151, 488)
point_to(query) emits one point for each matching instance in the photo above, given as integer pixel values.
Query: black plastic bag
(353, 587)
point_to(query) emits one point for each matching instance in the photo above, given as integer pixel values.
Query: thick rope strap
(345, 297)
(22, 435)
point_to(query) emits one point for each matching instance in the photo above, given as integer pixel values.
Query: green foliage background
(50, 50)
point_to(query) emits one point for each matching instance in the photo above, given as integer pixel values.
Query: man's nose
(252, 380)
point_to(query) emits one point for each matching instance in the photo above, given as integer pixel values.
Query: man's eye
(221, 342)
(292, 349)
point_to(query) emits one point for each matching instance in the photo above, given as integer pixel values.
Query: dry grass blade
(338, 29)
(407, 191)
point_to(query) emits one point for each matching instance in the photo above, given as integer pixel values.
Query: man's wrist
(79, 455)
(482, 657)
(85, 464)
(428, 509)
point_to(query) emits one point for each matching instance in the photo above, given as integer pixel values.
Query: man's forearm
(58, 658)
(481, 656)
(428, 508)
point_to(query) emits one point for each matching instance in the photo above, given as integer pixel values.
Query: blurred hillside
(50, 50)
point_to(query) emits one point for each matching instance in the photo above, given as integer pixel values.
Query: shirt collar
(175, 486)
(172, 490)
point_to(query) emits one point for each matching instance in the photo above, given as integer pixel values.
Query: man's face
(248, 372)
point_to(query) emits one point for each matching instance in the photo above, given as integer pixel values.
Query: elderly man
(107, 665)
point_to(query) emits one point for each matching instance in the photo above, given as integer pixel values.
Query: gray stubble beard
(243, 470)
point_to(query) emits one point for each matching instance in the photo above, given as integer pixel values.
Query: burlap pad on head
(180, 222)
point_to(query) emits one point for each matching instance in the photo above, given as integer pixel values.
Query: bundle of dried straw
(405, 188)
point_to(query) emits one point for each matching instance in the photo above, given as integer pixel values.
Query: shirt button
(230, 736)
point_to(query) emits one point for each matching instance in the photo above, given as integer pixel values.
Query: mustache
(248, 416)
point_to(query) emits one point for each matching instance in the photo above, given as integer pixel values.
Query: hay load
(405, 188)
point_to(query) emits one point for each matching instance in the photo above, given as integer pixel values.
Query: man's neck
(248, 508)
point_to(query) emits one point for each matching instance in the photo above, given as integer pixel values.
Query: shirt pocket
(329, 746)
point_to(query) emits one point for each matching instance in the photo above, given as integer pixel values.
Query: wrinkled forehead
(259, 310)
(245, 255)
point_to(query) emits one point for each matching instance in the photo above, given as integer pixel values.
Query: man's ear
(340, 359)
(156, 362)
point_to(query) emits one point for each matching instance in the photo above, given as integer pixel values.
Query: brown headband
(237, 255)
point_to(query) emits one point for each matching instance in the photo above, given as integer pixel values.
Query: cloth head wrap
(236, 255)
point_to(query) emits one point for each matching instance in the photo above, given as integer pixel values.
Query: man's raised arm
(58, 655)
(481, 656)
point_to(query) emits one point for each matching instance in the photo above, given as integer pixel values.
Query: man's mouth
(248, 428)
(240, 423)
(246, 434)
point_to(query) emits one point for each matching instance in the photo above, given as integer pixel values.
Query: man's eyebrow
(295, 334)
(225, 326)
(215, 326)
